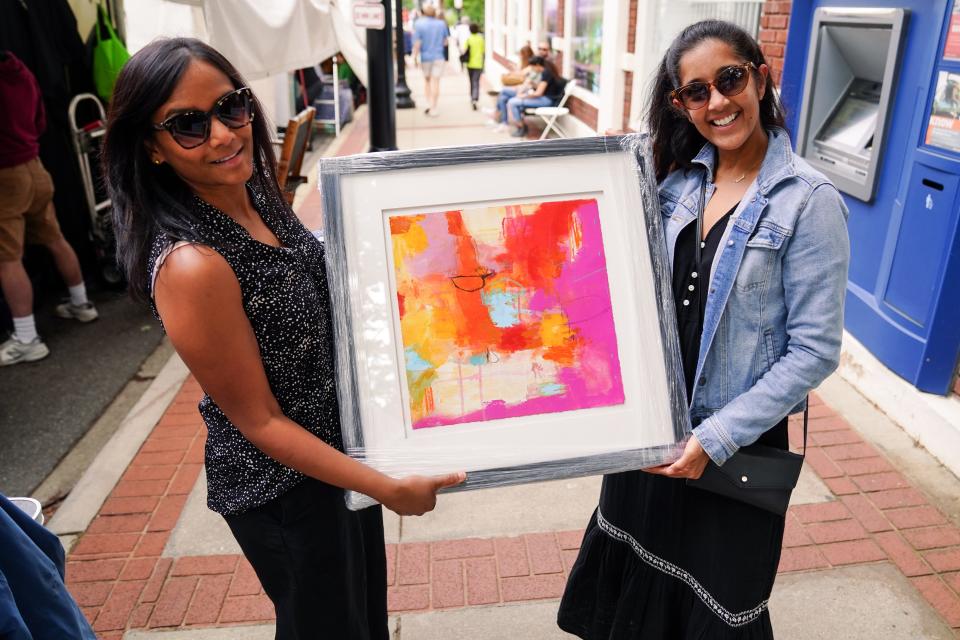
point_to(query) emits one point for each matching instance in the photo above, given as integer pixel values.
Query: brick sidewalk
(117, 575)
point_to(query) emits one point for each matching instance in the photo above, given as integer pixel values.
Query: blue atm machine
(873, 96)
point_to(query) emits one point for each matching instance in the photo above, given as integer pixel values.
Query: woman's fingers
(449, 480)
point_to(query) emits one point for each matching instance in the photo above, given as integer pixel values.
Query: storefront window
(586, 43)
(550, 21)
(513, 23)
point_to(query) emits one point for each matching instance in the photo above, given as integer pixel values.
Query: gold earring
(156, 161)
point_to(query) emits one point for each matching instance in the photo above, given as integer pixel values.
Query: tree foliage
(474, 9)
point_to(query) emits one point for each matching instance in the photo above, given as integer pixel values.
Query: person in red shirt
(27, 214)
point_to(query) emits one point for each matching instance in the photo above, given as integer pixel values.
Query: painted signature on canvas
(505, 312)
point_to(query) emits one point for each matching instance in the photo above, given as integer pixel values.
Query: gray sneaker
(83, 312)
(14, 352)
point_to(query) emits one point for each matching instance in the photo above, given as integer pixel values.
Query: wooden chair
(295, 141)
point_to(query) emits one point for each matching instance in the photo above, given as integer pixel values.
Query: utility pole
(380, 92)
(404, 101)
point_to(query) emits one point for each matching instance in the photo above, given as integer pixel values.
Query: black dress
(664, 561)
(324, 567)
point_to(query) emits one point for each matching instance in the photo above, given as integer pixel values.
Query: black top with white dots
(688, 276)
(286, 300)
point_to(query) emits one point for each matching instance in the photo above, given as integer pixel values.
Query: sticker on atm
(952, 49)
(943, 128)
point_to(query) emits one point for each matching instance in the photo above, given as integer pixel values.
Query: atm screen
(852, 126)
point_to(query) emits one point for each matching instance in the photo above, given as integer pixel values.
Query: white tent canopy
(264, 40)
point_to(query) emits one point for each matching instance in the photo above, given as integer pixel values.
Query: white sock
(25, 329)
(78, 294)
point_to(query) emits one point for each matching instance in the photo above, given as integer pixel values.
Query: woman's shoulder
(802, 183)
(185, 266)
(784, 168)
(802, 192)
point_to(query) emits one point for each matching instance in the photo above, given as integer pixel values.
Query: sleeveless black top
(286, 299)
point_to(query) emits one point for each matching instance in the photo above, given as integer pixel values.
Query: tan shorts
(434, 68)
(26, 209)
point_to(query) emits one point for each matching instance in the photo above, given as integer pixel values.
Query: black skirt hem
(618, 592)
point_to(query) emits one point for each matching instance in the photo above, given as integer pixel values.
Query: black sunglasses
(191, 129)
(730, 81)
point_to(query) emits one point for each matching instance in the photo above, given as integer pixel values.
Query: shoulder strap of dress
(164, 254)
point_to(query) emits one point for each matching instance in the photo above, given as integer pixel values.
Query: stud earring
(156, 161)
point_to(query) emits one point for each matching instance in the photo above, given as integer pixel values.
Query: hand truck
(87, 139)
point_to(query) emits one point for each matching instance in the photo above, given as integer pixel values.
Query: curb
(86, 498)
(931, 420)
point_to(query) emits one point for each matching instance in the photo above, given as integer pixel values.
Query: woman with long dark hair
(758, 247)
(204, 235)
(547, 91)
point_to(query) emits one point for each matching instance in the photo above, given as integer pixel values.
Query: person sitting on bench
(547, 93)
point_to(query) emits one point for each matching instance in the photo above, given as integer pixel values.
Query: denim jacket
(774, 312)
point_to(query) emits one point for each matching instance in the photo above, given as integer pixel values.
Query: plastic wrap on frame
(341, 283)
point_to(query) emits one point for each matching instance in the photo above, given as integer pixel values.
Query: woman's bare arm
(199, 299)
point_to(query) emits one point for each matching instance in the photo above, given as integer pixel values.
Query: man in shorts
(27, 214)
(430, 43)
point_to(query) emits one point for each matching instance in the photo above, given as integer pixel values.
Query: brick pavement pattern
(116, 573)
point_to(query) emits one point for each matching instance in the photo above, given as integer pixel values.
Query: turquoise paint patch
(414, 361)
(503, 308)
(552, 389)
(478, 360)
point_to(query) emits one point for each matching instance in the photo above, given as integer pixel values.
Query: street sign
(369, 15)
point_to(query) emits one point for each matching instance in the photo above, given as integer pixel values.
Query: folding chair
(295, 141)
(549, 115)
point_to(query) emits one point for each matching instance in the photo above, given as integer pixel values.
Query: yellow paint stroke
(409, 239)
(558, 339)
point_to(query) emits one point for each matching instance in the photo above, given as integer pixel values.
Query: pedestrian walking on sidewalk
(474, 53)
(27, 214)
(430, 51)
(461, 33)
(758, 246)
(240, 286)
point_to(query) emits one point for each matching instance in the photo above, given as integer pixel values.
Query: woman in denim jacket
(760, 318)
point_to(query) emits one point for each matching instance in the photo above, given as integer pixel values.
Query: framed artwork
(503, 310)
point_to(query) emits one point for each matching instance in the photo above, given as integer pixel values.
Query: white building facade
(609, 47)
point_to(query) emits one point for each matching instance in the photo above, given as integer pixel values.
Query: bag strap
(104, 22)
(806, 411)
(703, 198)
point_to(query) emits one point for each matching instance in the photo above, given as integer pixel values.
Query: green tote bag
(109, 55)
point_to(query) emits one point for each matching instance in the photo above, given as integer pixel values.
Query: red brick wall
(585, 113)
(628, 75)
(627, 98)
(956, 384)
(561, 6)
(774, 21)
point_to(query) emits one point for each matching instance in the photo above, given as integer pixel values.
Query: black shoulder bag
(757, 474)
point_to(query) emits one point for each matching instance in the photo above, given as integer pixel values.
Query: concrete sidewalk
(872, 548)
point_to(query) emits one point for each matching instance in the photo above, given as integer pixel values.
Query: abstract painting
(504, 312)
